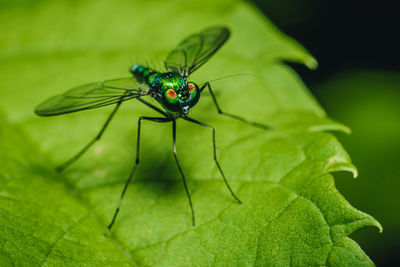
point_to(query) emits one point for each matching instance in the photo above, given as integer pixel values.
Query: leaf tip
(330, 127)
(375, 223)
(346, 129)
(311, 63)
(355, 172)
(337, 164)
(379, 226)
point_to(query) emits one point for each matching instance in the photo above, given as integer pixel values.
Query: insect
(172, 89)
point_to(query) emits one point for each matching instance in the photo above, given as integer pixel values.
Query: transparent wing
(195, 50)
(92, 95)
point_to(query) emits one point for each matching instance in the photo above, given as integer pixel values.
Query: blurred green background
(358, 83)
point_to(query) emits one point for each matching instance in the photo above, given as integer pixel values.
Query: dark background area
(358, 83)
(339, 34)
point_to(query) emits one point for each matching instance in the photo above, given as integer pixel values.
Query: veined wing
(196, 49)
(92, 95)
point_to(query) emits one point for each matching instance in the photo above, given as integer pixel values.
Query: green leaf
(291, 212)
(358, 97)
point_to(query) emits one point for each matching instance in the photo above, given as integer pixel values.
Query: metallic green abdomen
(143, 74)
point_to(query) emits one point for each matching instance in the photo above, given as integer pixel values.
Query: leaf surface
(291, 212)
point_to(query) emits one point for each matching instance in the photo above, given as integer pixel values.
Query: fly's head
(175, 93)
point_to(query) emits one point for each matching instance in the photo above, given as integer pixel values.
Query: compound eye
(192, 88)
(171, 96)
(194, 93)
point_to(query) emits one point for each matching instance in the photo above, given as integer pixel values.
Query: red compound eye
(191, 87)
(171, 94)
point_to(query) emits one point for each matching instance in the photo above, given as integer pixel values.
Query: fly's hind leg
(85, 148)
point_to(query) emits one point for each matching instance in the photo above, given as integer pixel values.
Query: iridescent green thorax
(170, 89)
(169, 80)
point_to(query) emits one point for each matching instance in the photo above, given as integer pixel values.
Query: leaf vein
(79, 221)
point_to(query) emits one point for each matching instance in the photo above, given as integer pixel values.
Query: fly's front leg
(215, 156)
(207, 84)
(180, 170)
(154, 119)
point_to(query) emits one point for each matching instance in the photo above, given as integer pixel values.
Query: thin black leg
(180, 170)
(155, 119)
(97, 137)
(215, 155)
(152, 107)
(207, 84)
